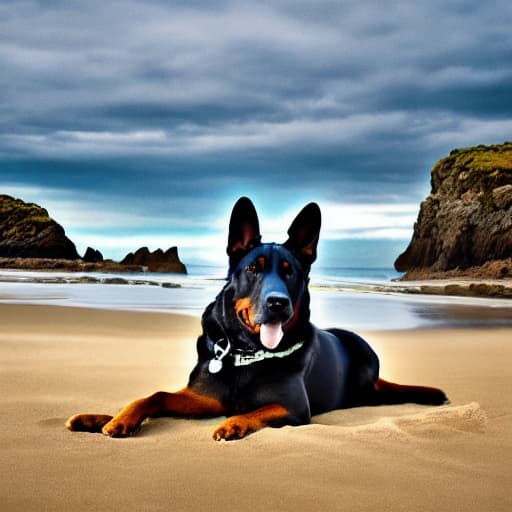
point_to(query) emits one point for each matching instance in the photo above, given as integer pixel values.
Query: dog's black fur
(260, 360)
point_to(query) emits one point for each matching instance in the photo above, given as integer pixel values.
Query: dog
(260, 361)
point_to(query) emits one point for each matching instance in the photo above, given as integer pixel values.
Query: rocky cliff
(27, 231)
(157, 261)
(30, 239)
(466, 221)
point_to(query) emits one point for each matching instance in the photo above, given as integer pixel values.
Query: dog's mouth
(270, 334)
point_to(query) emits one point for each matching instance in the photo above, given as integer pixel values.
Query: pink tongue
(270, 335)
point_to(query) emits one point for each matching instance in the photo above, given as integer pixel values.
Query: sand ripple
(429, 423)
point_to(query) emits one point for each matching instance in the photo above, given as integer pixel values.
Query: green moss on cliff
(9, 204)
(483, 158)
(27, 231)
(21, 220)
(478, 169)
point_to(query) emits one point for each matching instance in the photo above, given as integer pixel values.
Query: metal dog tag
(215, 366)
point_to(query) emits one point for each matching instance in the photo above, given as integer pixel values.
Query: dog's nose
(277, 303)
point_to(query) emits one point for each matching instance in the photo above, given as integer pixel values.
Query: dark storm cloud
(150, 103)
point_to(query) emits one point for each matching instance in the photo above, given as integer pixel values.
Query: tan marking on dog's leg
(239, 426)
(183, 403)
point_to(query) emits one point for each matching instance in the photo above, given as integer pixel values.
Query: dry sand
(59, 361)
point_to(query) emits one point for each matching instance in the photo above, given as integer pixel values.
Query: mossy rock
(28, 231)
(480, 168)
(466, 220)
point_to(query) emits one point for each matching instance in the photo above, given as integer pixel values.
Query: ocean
(340, 297)
(346, 259)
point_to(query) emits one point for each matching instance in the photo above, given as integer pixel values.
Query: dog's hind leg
(389, 393)
(185, 403)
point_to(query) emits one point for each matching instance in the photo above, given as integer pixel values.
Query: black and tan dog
(260, 360)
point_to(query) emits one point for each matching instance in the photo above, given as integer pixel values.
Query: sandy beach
(57, 361)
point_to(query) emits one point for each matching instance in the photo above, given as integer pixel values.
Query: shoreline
(451, 287)
(463, 286)
(355, 306)
(58, 361)
(78, 265)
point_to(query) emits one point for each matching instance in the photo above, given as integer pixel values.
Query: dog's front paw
(235, 427)
(87, 422)
(120, 426)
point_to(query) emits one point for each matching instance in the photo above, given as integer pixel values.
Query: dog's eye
(252, 268)
(256, 266)
(286, 268)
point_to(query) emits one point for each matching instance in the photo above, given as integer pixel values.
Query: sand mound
(404, 421)
(429, 423)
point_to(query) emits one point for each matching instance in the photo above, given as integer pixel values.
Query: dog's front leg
(238, 426)
(186, 403)
(183, 403)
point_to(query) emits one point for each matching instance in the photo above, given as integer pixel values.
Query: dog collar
(244, 359)
(261, 355)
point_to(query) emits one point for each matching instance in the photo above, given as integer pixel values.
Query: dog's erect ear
(304, 234)
(244, 231)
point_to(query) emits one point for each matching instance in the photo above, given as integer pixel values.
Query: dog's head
(267, 286)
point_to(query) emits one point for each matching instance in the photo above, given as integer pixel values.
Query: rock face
(157, 261)
(92, 256)
(466, 221)
(27, 231)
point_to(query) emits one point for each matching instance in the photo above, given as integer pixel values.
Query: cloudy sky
(141, 122)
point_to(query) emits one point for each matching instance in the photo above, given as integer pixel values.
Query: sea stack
(466, 221)
(92, 256)
(156, 261)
